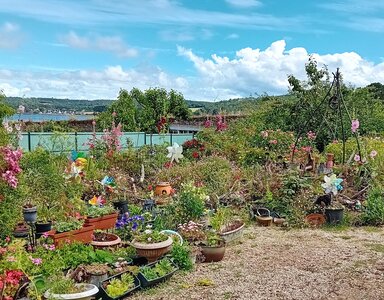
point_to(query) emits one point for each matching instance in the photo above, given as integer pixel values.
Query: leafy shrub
(190, 202)
(374, 207)
(181, 256)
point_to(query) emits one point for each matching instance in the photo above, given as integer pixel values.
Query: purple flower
(357, 158)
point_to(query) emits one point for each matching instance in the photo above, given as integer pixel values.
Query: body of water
(48, 117)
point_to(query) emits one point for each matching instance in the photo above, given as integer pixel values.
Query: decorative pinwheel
(332, 184)
(175, 152)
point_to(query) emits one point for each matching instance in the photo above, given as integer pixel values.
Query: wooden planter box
(103, 222)
(83, 235)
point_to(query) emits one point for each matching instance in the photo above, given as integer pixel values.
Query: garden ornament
(332, 184)
(175, 152)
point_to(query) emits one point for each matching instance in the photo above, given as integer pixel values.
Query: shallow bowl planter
(112, 241)
(144, 282)
(231, 235)
(213, 254)
(83, 235)
(103, 222)
(152, 251)
(90, 290)
(104, 284)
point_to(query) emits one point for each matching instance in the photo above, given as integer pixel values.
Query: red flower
(150, 187)
(195, 155)
(168, 165)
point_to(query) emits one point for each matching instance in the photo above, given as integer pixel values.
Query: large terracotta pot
(103, 222)
(112, 241)
(83, 235)
(163, 189)
(152, 251)
(315, 220)
(213, 254)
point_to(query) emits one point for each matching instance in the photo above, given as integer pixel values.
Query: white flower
(148, 231)
(175, 152)
(7, 127)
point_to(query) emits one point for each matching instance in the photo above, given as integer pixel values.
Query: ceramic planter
(213, 254)
(144, 282)
(152, 251)
(104, 284)
(112, 241)
(30, 214)
(334, 216)
(42, 228)
(163, 189)
(229, 236)
(83, 235)
(103, 222)
(90, 290)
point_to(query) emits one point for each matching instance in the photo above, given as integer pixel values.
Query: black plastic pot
(103, 289)
(334, 216)
(30, 214)
(42, 227)
(144, 282)
(122, 206)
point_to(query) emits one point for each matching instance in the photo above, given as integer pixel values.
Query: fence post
(171, 138)
(29, 141)
(151, 139)
(145, 138)
(76, 146)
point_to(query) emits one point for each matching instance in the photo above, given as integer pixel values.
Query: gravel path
(274, 263)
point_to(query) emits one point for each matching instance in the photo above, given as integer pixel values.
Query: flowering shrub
(194, 149)
(10, 165)
(192, 232)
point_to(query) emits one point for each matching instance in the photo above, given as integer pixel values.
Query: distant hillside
(53, 105)
(44, 105)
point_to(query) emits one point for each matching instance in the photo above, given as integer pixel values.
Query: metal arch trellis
(336, 101)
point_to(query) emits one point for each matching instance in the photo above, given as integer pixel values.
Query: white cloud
(255, 70)
(217, 78)
(185, 34)
(10, 36)
(113, 44)
(244, 3)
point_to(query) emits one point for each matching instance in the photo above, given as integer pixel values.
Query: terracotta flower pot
(163, 189)
(213, 254)
(315, 220)
(112, 240)
(103, 222)
(152, 251)
(83, 235)
(330, 159)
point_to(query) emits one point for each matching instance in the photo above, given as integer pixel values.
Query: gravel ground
(274, 263)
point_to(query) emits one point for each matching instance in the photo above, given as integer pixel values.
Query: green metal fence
(64, 142)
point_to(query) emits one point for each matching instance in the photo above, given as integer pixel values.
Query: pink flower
(37, 261)
(207, 124)
(357, 158)
(52, 247)
(11, 259)
(7, 239)
(373, 154)
(307, 148)
(355, 125)
(114, 114)
(93, 122)
(311, 135)
(45, 235)
(264, 134)
(273, 142)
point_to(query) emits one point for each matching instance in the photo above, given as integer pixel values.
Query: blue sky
(207, 49)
